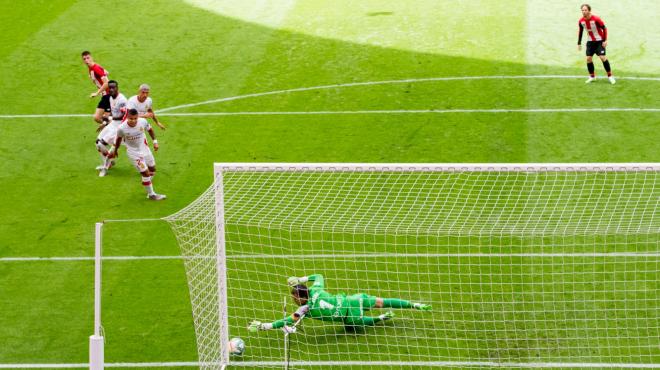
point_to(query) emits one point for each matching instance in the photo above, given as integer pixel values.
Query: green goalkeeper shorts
(357, 303)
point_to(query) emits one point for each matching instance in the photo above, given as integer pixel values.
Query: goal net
(524, 265)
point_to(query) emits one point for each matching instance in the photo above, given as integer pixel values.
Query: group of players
(123, 120)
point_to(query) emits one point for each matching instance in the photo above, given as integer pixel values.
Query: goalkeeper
(318, 304)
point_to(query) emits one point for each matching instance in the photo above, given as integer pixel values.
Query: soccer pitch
(288, 81)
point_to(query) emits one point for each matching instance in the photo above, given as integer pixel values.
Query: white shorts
(109, 133)
(141, 160)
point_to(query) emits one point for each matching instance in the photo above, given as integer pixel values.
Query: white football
(236, 346)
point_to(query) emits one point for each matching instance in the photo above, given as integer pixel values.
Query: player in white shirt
(144, 105)
(131, 131)
(108, 130)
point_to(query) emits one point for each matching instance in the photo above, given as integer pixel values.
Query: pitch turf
(190, 52)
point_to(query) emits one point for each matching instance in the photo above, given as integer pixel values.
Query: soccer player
(99, 77)
(132, 132)
(318, 304)
(108, 130)
(143, 103)
(596, 41)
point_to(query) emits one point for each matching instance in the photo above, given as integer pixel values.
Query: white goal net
(524, 265)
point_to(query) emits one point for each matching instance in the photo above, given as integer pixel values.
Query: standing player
(596, 41)
(318, 304)
(108, 130)
(99, 77)
(132, 132)
(143, 104)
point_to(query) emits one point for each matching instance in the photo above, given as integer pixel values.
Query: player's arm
(102, 88)
(317, 279)
(580, 32)
(115, 147)
(289, 320)
(153, 137)
(150, 112)
(600, 24)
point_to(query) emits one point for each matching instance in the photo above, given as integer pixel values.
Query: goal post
(525, 265)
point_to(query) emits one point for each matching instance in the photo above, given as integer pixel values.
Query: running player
(132, 131)
(318, 304)
(144, 105)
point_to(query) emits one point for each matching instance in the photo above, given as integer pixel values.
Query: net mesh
(521, 267)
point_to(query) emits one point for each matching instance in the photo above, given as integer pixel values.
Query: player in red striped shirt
(596, 41)
(99, 77)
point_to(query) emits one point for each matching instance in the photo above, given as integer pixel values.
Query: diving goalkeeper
(318, 304)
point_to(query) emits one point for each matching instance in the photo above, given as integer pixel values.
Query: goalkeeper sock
(606, 64)
(590, 67)
(396, 303)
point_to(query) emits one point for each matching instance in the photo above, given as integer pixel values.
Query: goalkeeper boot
(422, 307)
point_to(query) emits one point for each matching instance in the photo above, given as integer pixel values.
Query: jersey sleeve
(319, 283)
(600, 24)
(580, 32)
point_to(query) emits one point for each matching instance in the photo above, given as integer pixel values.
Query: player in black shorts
(103, 110)
(596, 41)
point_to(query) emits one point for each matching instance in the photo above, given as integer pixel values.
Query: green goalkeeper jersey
(321, 305)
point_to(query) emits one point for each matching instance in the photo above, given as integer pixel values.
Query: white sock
(148, 186)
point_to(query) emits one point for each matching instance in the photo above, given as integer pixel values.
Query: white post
(221, 264)
(96, 340)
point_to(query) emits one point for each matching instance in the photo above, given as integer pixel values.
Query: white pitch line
(386, 82)
(598, 365)
(366, 112)
(325, 87)
(414, 111)
(340, 256)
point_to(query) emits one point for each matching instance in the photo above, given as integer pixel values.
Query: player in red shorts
(99, 77)
(596, 41)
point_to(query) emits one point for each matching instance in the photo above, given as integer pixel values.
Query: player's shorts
(108, 134)
(595, 47)
(141, 160)
(356, 305)
(104, 103)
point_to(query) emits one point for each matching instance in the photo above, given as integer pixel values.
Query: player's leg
(107, 137)
(400, 303)
(102, 148)
(606, 64)
(101, 109)
(590, 50)
(355, 317)
(151, 171)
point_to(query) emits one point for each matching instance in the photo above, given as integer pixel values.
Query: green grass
(51, 196)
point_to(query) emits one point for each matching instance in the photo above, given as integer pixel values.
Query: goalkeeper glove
(387, 315)
(255, 326)
(293, 281)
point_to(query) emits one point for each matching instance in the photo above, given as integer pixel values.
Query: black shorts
(104, 103)
(595, 47)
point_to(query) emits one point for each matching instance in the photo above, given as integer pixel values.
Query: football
(236, 346)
